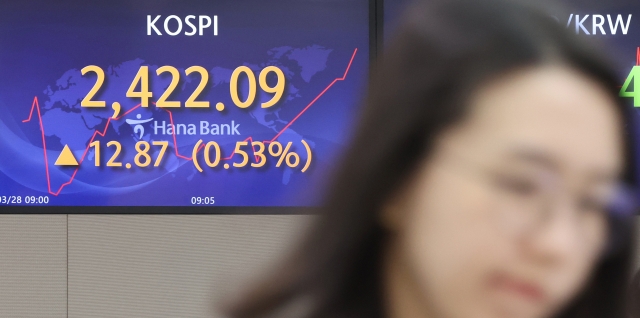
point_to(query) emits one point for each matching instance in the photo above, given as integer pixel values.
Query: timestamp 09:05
(202, 200)
(27, 199)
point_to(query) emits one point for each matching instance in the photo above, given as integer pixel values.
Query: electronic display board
(177, 103)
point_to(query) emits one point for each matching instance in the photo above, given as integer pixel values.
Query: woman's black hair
(442, 52)
(633, 296)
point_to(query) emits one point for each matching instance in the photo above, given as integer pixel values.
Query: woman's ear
(390, 217)
(393, 214)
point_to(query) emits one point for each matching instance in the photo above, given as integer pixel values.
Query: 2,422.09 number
(142, 80)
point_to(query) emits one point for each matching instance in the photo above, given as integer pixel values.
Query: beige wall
(33, 266)
(133, 266)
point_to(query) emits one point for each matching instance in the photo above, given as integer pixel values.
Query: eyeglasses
(525, 199)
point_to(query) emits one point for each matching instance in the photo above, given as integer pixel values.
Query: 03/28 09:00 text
(27, 199)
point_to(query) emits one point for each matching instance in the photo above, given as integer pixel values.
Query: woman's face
(505, 218)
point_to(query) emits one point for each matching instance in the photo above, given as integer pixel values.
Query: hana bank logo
(137, 125)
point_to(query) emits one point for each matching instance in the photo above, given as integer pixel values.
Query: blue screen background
(45, 44)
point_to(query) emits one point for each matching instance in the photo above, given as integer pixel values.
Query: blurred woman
(487, 179)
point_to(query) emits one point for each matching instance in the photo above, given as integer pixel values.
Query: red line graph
(36, 106)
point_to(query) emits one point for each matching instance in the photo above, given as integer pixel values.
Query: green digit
(636, 86)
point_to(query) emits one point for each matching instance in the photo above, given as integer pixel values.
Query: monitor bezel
(376, 14)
